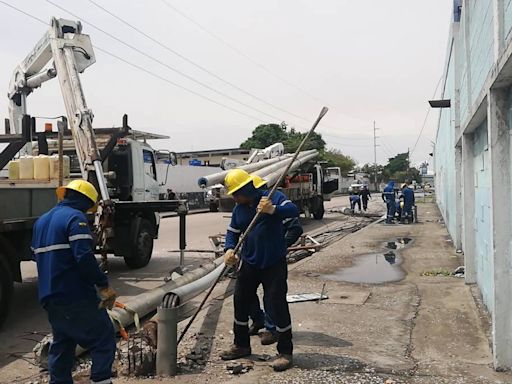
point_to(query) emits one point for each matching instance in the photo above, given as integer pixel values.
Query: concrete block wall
(473, 157)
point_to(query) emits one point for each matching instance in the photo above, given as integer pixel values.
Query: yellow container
(54, 166)
(42, 167)
(14, 169)
(26, 168)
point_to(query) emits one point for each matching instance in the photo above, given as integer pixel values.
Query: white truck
(124, 170)
(308, 183)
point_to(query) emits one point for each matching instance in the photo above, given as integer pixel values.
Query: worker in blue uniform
(263, 261)
(72, 288)
(263, 319)
(355, 199)
(388, 196)
(409, 201)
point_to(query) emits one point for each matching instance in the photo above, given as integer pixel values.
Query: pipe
(218, 178)
(273, 176)
(147, 302)
(282, 164)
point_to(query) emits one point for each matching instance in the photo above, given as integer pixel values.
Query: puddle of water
(401, 242)
(371, 269)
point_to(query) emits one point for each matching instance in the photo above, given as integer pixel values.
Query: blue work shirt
(389, 192)
(63, 247)
(354, 198)
(265, 245)
(408, 195)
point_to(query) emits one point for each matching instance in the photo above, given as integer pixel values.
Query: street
(27, 323)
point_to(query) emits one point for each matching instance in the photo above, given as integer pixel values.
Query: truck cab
(131, 171)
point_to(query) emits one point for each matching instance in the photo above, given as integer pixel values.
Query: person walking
(365, 195)
(263, 261)
(72, 289)
(355, 200)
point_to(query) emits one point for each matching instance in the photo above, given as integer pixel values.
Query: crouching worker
(263, 261)
(72, 289)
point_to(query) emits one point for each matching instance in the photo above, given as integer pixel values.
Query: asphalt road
(27, 322)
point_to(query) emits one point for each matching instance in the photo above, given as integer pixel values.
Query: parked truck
(308, 183)
(123, 168)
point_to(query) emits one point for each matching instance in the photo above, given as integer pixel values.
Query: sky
(245, 63)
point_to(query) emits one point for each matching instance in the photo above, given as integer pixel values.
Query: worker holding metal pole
(72, 288)
(263, 261)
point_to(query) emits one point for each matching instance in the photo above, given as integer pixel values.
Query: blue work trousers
(80, 323)
(390, 204)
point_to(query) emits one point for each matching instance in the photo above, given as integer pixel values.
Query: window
(149, 163)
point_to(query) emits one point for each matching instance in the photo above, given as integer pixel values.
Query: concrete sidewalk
(418, 329)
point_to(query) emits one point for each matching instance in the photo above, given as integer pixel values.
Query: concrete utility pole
(375, 156)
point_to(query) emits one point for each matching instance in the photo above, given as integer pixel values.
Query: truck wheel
(143, 249)
(6, 288)
(318, 213)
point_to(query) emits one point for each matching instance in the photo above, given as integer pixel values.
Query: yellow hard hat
(81, 186)
(236, 179)
(258, 181)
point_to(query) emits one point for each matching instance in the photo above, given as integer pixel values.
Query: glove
(108, 297)
(265, 206)
(230, 257)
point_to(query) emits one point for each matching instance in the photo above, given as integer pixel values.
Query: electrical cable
(425, 120)
(147, 55)
(241, 53)
(142, 68)
(199, 66)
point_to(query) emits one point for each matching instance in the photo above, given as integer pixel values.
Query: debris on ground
(459, 271)
(41, 350)
(136, 357)
(239, 368)
(301, 297)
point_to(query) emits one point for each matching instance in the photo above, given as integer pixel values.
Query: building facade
(473, 156)
(212, 158)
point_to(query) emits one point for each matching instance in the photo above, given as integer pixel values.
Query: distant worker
(264, 319)
(263, 261)
(388, 196)
(72, 288)
(365, 195)
(409, 201)
(355, 200)
(171, 195)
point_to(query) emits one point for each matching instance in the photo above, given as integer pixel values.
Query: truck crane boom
(63, 52)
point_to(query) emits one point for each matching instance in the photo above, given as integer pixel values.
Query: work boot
(268, 338)
(255, 328)
(235, 352)
(282, 362)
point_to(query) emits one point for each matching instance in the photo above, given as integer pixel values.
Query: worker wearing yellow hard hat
(72, 288)
(263, 258)
(80, 186)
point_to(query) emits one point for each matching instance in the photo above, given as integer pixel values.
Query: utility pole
(375, 157)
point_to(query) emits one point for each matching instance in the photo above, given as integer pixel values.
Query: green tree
(399, 169)
(265, 135)
(294, 138)
(335, 158)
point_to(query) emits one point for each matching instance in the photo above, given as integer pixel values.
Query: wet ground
(375, 268)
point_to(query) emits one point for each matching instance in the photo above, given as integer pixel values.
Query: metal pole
(375, 157)
(183, 240)
(167, 351)
(60, 129)
(255, 218)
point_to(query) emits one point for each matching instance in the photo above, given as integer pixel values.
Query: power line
(163, 63)
(425, 120)
(199, 66)
(143, 69)
(241, 53)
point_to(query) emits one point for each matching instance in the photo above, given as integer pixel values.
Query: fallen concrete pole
(185, 287)
(271, 174)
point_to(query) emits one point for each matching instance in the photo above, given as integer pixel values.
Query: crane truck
(126, 221)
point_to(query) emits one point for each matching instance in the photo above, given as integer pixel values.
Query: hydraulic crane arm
(63, 52)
